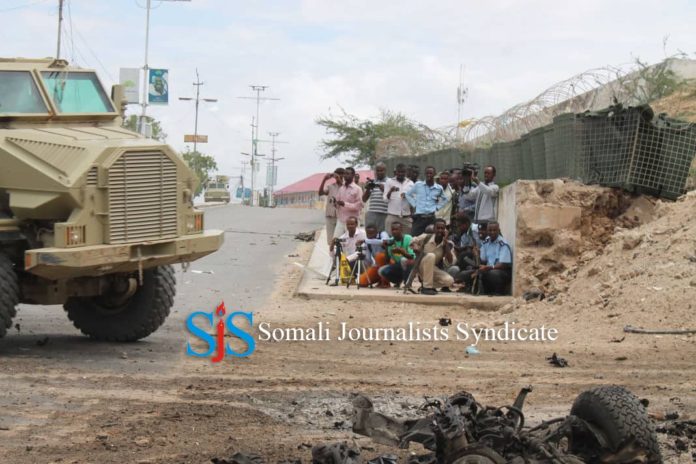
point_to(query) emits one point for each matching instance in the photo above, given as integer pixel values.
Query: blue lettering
(200, 333)
(241, 334)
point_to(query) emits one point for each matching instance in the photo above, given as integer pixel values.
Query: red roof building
(305, 193)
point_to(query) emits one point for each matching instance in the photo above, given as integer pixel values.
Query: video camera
(471, 168)
(370, 184)
(390, 241)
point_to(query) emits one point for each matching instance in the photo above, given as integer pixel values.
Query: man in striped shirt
(374, 191)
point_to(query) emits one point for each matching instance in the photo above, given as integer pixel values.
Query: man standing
(495, 270)
(445, 211)
(348, 201)
(426, 198)
(399, 254)
(485, 194)
(412, 172)
(374, 191)
(331, 191)
(466, 205)
(398, 208)
(437, 252)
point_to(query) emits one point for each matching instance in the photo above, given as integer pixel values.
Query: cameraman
(398, 209)
(437, 252)
(399, 255)
(374, 191)
(331, 191)
(350, 240)
(348, 201)
(485, 196)
(375, 257)
(466, 246)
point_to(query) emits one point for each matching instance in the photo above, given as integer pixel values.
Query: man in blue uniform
(495, 271)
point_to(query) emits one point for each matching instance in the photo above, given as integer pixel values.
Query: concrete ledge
(312, 286)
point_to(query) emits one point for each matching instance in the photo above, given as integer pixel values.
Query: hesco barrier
(617, 147)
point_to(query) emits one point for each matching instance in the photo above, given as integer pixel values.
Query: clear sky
(320, 55)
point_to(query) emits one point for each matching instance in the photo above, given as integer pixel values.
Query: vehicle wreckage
(607, 424)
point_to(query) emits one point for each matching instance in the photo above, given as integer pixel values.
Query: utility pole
(198, 98)
(148, 7)
(60, 25)
(255, 130)
(272, 176)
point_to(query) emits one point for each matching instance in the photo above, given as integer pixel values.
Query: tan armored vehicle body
(92, 215)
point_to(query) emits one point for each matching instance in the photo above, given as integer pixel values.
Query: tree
(649, 83)
(131, 122)
(355, 140)
(202, 165)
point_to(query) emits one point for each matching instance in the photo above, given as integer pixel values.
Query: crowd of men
(441, 228)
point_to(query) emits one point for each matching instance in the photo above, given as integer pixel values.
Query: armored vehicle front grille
(142, 197)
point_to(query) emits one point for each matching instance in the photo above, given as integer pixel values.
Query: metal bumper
(96, 260)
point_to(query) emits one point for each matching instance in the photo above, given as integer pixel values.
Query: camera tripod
(357, 270)
(336, 264)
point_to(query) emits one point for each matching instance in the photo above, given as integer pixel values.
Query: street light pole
(255, 130)
(60, 26)
(146, 68)
(197, 99)
(273, 161)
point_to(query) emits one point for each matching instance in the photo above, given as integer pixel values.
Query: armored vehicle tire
(136, 318)
(9, 293)
(621, 416)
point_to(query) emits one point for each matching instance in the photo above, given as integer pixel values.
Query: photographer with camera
(466, 204)
(437, 252)
(467, 248)
(374, 191)
(375, 257)
(331, 191)
(398, 208)
(348, 201)
(426, 197)
(399, 254)
(351, 241)
(485, 196)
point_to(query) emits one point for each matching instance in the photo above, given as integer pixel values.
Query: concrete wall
(507, 218)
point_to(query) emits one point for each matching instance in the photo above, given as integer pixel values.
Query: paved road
(256, 241)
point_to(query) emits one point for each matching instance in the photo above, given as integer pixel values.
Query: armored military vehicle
(92, 215)
(217, 190)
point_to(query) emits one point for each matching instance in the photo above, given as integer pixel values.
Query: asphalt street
(257, 240)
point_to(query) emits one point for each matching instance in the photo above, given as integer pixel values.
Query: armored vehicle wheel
(621, 417)
(9, 294)
(111, 318)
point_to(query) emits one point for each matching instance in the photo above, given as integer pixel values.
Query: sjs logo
(216, 344)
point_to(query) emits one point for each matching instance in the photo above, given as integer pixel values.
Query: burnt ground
(71, 400)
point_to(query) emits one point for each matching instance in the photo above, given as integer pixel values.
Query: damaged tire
(139, 316)
(621, 417)
(9, 293)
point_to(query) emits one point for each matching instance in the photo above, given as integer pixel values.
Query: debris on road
(557, 361)
(305, 236)
(445, 321)
(196, 271)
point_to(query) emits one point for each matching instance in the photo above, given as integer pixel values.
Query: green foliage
(355, 140)
(131, 122)
(202, 165)
(651, 82)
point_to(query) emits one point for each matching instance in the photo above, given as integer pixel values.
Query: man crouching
(437, 254)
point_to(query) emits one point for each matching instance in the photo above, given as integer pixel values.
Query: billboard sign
(129, 78)
(158, 87)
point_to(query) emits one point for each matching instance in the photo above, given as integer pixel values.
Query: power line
(26, 5)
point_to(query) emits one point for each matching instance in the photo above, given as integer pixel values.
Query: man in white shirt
(445, 212)
(398, 208)
(331, 191)
(351, 238)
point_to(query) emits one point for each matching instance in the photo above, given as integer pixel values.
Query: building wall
(308, 200)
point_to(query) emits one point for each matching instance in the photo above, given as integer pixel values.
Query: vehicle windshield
(76, 92)
(19, 93)
(217, 186)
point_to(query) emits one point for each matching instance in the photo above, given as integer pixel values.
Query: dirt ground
(289, 395)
